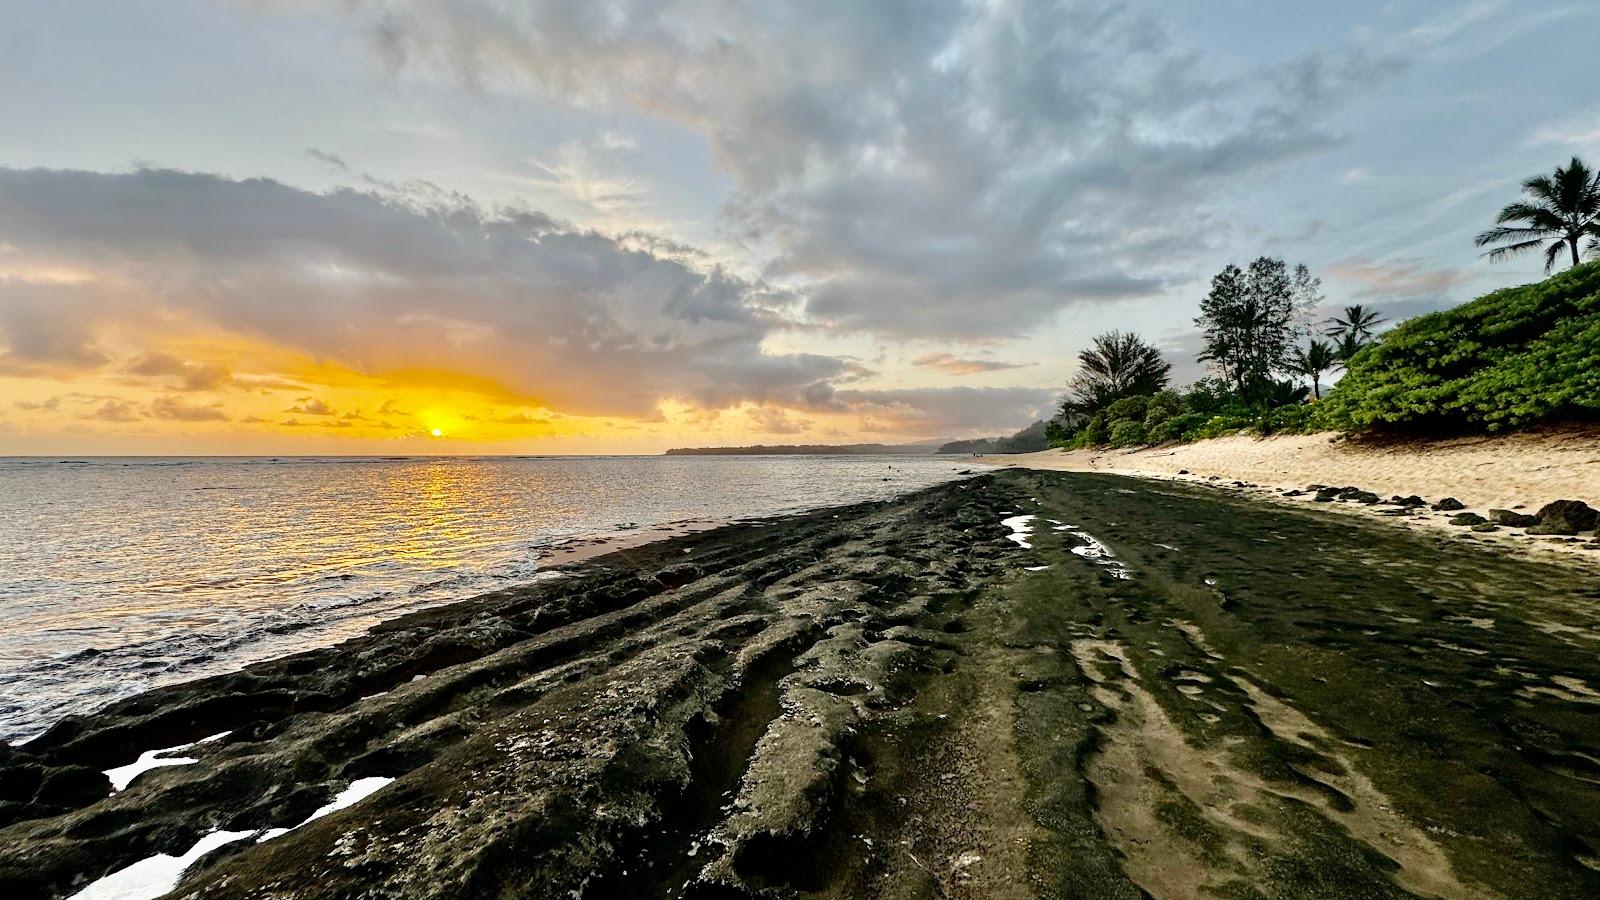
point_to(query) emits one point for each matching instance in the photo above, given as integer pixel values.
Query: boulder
(1449, 504)
(1512, 519)
(1486, 526)
(1566, 517)
(1411, 502)
(1467, 518)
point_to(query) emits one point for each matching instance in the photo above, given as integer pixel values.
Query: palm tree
(1565, 207)
(1347, 345)
(1117, 365)
(1357, 319)
(1314, 359)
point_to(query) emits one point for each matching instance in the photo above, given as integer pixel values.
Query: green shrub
(1175, 428)
(1127, 433)
(1512, 358)
(1286, 420)
(1128, 408)
(1217, 426)
(1162, 407)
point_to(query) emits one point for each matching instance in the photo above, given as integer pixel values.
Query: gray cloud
(923, 167)
(945, 411)
(518, 302)
(548, 312)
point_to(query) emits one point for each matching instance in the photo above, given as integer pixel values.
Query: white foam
(359, 790)
(122, 776)
(157, 875)
(1020, 530)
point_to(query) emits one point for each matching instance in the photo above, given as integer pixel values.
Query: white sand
(1503, 472)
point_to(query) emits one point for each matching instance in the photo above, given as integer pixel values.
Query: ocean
(122, 574)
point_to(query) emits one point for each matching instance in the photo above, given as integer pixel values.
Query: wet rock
(1565, 517)
(1486, 526)
(1449, 504)
(1293, 493)
(1411, 502)
(72, 786)
(1183, 471)
(1467, 518)
(1366, 497)
(1512, 519)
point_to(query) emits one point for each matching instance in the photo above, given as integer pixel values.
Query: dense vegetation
(1513, 358)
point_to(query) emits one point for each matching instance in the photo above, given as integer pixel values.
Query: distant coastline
(809, 450)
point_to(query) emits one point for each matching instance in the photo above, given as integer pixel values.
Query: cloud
(944, 411)
(1395, 279)
(115, 411)
(50, 405)
(176, 408)
(311, 407)
(192, 376)
(512, 300)
(772, 420)
(954, 365)
(935, 168)
(522, 419)
(332, 159)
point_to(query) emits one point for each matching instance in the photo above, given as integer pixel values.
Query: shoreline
(1025, 683)
(1520, 472)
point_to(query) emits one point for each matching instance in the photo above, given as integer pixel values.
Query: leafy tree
(1357, 319)
(1562, 209)
(1253, 318)
(1117, 365)
(1313, 359)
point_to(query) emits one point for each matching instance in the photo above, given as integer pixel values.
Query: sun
(437, 432)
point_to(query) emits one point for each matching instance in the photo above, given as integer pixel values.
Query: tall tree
(1346, 345)
(1117, 364)
(1252, 319)
(1561, 208)
(1357, 319)
(1312, 360)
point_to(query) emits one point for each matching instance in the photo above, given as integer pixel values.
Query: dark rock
(73, 786)
(1394, 512)
(19, 782)
(1449, 504)
(1467, 518)
(1293, 493)
(1183, 471)
(1411, 502)
(1366, 497)
(1512, 519)
(1565, 517)
(1486, 526)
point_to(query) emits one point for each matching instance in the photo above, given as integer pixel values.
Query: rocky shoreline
(1023, 684)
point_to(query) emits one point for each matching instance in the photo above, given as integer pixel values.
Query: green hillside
(1513, 358)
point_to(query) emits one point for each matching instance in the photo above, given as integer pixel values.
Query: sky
(446, 226)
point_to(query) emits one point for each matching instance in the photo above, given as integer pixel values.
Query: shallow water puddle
(359, 790)
(157, 875)
(1021, 530)
(1096, 552)
(1034, 568)
(122, 776)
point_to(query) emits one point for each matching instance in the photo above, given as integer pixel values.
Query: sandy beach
(1026, 683)
(1519, 471)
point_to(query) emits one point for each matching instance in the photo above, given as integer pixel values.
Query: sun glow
(437, 432)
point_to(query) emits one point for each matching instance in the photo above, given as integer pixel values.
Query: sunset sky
(440, 226)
